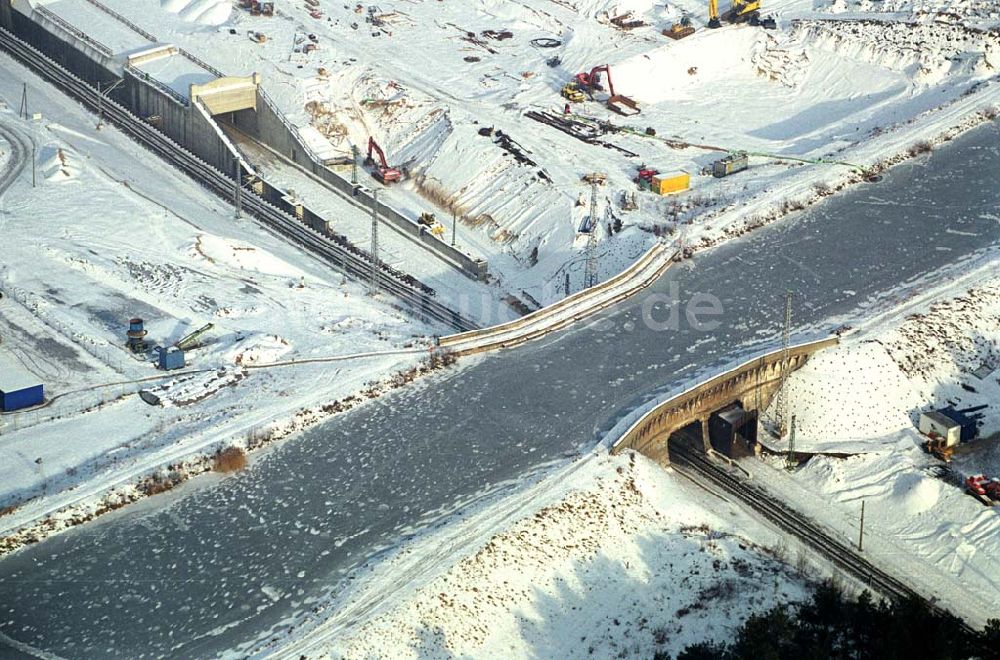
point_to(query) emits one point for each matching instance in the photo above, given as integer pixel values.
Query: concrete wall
(75, 55)
(268, 127)
(182, 122)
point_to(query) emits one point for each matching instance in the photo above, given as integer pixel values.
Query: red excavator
(591, 82)
(382, 171)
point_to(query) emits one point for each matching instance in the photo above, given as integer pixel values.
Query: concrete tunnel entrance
(731, 431)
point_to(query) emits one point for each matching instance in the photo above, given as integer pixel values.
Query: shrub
(230, 459)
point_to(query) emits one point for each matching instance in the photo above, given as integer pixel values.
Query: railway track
(421, 302)
(20, 151)
(692, 461)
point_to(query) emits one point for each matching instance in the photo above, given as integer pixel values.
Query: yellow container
(671, 183)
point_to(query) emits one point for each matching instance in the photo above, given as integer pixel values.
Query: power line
(374, 273)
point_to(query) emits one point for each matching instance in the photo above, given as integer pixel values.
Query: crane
(617, 102)
(382, 171)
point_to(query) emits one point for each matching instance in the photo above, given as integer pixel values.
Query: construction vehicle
(258, 7)
(591, 82)
(428, 220)
(258, 37)
(740, 11)
(382, 171)
(984, 489)
(644, 178)
(680, 30)
(937, 446)
(571, 92)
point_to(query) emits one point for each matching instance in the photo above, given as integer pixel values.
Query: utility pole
(591, 273)
(100, 106)
(783, 387)
(23, 113)
(790, 461)
(374, 278)
(354, 164)
(861, 531)
(238, 191)
(100, 99)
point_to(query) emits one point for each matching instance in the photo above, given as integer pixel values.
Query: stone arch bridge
(752, 384)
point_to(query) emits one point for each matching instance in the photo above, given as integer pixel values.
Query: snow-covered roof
(939, 417)
(13, 378)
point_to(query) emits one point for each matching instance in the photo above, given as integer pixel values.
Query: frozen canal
(224, 565)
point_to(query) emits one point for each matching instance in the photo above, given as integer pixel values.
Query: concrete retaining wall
(85, 59)
(268, 126)
(646, 270)
(181, 121)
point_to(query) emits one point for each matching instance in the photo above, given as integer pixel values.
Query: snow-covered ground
(864, 398)
(859, 82)
(610, 557)
(110, 232)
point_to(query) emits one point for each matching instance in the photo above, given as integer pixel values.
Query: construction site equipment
(428, 220)
(190, 341)
(136, 336)
(731, 164)
(591, 82)
(627, 21)
(258, 37)
(258, 7)
(382, 171)
(984, 489)
(939, 447)
(671, 183)
(644, 178)
(170, 358)
(680, 30)
(740, 11)
(571, 92)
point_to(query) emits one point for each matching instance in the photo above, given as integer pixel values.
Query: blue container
(18, 399)
(170, 358)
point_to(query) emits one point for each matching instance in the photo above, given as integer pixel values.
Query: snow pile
(57, 164)
(205, 12)
(931, 51)
(188, 390)
(863, 394)
(259, 349)
(242, 256)
(626, 564)
(850, 398)
(688, 69)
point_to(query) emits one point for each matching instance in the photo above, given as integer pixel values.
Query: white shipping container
(935, 423)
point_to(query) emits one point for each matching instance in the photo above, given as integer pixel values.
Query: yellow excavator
(740, 11)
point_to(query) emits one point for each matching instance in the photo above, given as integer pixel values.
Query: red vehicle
(592, 82)
(382, 171)
(644, 179)
(984, 488)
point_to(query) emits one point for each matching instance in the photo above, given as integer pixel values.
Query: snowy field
(864, 83)
(864, 398)
(109, 233)
(611, 557)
